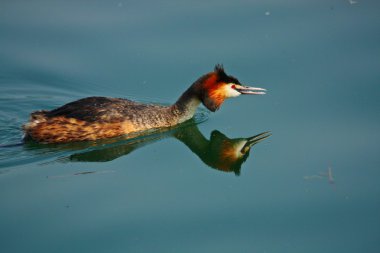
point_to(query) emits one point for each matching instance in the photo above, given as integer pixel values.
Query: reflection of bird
(100, 117)
(219, 152)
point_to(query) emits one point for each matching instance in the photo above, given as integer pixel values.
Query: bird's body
(98, 118)
(95, 118)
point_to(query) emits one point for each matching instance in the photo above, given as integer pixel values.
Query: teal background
(319, 60)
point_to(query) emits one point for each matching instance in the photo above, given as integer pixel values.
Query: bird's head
(214, 87)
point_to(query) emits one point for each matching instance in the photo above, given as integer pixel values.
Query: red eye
(233, 86)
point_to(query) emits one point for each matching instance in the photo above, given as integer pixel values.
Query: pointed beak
(249, 90)
(254, 140)
(257, 138)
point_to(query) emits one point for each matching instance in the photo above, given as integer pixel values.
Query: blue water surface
(310, 187)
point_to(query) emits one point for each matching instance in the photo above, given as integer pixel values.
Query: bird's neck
(195, 140)
(186, 106)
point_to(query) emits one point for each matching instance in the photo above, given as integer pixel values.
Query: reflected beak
(254, 140)
(249, 90)
(257, 138)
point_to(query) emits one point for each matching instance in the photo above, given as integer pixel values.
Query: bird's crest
(219, 70)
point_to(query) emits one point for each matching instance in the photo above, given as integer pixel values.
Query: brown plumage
(95, 118)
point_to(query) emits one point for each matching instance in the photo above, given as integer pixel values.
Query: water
(310, 187)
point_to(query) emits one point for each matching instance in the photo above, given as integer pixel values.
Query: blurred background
(311, 187)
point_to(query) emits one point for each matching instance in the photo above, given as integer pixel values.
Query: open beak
(249, 90)
(254, 140)
(257, 138)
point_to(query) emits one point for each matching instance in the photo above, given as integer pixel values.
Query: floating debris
(81, 173)
(322, 175)
(330, 176)
(313, 177)
(84, 173)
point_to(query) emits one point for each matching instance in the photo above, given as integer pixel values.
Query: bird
(93, 118)
(220, 152)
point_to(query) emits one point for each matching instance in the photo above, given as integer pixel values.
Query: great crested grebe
(95, 118)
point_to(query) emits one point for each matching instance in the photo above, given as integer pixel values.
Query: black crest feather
(219, 70)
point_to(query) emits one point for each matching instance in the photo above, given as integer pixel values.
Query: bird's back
(97, 109)
(94, 118)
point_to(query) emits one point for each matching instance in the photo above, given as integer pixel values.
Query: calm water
(313, 186)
